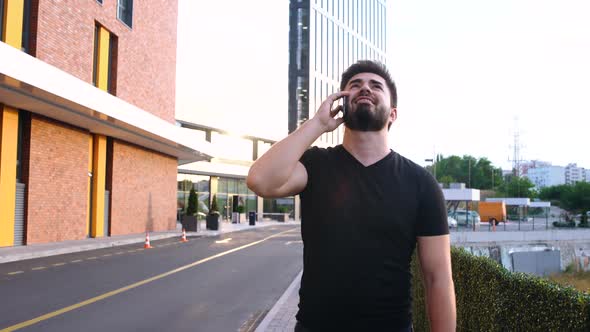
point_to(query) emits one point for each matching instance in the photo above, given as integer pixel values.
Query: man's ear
(393, 114)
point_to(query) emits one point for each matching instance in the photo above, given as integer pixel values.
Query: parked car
(452, 222)
(464, 218)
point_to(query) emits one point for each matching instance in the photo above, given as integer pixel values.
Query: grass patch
(580, 280)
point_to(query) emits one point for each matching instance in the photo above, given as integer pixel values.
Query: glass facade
(232, 193)
(326, 37)
(280, 205)
(229, 192)
(201, 184)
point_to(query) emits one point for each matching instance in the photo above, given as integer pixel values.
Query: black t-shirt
(359, 228)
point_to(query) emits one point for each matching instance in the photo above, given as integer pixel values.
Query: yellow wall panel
(13, 34)
(90, 153)
(98, 184)
(102, 67)
(8, 155)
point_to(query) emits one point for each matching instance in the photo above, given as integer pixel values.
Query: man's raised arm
(278, 173)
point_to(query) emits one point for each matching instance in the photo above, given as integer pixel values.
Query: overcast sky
(469, 73)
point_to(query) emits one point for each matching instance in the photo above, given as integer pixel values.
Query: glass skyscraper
(325, 37)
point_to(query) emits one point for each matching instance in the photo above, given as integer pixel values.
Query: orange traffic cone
(147, 241)
(183, 238)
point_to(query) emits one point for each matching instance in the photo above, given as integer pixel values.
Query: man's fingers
(335, 111)
(335, 96)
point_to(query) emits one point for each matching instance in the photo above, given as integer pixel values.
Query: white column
(259, 208)
(297, 208)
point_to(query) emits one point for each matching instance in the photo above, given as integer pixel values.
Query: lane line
(38, 268)
(58, 264)
(76, 261)
(15, 272)
(129, 287)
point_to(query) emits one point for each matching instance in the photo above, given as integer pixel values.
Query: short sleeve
(308, 159)
(432, 211)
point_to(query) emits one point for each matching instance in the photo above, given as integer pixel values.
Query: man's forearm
(440, 301)
(272, 170)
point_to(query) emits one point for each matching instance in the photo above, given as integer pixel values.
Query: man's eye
(379, 87)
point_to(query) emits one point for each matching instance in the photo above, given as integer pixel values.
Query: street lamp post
(433, 166)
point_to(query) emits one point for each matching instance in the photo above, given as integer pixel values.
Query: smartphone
(345, 106)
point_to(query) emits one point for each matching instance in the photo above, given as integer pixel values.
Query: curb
(263, 326)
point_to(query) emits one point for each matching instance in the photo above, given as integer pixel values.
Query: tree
(518, 187)
(475, 173)
(555, 193)
(214, 209)
(446, 179)
(192, 203)
(570, 197)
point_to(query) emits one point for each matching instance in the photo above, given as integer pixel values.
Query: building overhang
(461, 194)
(513, 201)
(30, 84)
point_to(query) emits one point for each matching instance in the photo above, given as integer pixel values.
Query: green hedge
(490, 298)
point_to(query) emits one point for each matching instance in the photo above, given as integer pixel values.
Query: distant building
(574, 174)
(325, 37)
(525, 166)
(547, 176)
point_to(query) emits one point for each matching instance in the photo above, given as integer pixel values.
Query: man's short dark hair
(368, 66)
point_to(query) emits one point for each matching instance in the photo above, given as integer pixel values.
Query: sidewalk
(18, 253)
(281, 317)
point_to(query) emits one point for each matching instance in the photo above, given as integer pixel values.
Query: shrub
(214, 209)
(490, 298)
(191, 210)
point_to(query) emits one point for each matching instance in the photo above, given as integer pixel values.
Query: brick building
(88, 143)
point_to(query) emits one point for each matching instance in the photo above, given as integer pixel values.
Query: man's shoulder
(408, 165)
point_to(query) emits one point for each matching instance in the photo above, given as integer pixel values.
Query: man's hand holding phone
(326, 115)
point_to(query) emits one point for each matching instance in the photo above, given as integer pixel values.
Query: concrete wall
(573, 245)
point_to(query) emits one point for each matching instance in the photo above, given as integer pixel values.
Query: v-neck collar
(356, 161)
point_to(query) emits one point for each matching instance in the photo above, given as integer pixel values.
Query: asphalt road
(225, 283)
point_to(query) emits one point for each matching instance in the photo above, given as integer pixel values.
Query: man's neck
(367, 147)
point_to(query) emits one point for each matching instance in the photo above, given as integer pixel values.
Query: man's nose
(365, 88)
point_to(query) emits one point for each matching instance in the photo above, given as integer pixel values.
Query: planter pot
(189, 223)
(212, 221)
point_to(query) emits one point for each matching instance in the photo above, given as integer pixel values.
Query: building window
(125, 12)
(99, 1)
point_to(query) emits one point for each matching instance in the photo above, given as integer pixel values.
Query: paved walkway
(282, 315)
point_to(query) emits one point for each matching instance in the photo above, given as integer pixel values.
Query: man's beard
(362, 119)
